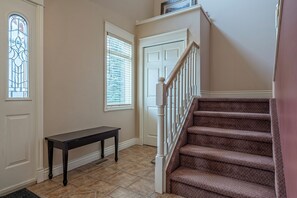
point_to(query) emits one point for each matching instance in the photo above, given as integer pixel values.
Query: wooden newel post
(159, 166)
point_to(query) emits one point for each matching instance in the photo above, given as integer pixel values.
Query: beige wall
(198, 31)
(181, 21)
(205, 52)
(242, 43)
(74, 67)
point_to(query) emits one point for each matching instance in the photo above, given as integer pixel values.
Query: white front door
(159, 61)
(17, 94)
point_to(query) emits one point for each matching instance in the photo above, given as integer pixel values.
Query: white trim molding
(237, 94)
(126, 37)
(36, 2)
(39, 89)
(164, 16)
(58, 169)
(168, 37)
(172, 14)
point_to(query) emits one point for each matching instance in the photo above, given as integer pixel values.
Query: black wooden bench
(68, 141)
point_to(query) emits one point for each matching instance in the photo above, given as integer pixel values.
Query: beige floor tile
(124, 193)
(63, 191)
(102, 187)
(82, 180)
(143, 187)
(133, 158)
(91, 169)
(120, 165)
(70, 176)
(108, 178)
(88, 167)
(95, 165)
(102, 173)
(44, 188)
(137, 169)
(150, 175)
(89, 194)
(108, 162)
(121, 179)
(148, 161)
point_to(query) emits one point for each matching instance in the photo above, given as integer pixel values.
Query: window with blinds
(118, 69)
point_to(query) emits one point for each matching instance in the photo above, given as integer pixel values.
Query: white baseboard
(42, 175)
(237, 94)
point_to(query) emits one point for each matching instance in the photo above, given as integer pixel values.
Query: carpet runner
(225, 150)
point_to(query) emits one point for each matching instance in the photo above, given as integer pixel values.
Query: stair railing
(174, 98)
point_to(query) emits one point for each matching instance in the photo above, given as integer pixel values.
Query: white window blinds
(119, 61)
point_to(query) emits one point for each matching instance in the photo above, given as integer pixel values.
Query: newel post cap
(162, 79)
(160, 95)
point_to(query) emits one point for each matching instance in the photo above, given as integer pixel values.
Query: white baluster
(189, 80)
(174, 107)
(170, 117)
(187, 83)
(178, 100)
(182, 92)
(160, 158)
(190, 74)
(194, 73)
(165, 129)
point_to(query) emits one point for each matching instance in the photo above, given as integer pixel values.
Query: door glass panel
(18, 60)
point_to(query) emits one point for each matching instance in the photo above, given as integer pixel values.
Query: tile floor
(132, 177)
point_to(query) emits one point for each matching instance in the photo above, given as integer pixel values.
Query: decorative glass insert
(18, 60)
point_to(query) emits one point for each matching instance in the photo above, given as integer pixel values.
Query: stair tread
(231, 133)
(222, 185)
(252, 100)
(232, 157)
(262, 116)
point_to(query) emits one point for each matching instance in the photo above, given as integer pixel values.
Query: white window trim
(117, 31)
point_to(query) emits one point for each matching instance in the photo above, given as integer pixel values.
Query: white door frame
(39, 89)
(174, 36)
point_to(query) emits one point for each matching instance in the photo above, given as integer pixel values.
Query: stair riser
(233, 123)
(258, 148)
(192, 192)
(230, 170)
(247, 107)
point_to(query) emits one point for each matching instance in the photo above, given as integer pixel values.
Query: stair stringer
(280, 186)
(174, 161)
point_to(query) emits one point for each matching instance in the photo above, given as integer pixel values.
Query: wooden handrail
(280, 3)
(179, 64)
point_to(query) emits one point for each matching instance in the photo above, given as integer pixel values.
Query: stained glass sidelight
(18, 62)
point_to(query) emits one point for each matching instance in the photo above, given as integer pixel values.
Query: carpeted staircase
(225, 151)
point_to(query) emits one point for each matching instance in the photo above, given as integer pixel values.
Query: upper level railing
(174, 98)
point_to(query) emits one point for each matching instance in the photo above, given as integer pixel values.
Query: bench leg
(116, 144)
(50, 151)
(102, 149)
(65, 164)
